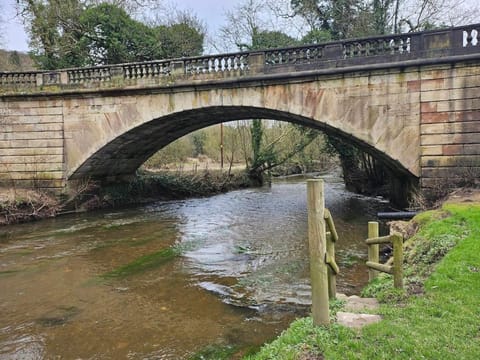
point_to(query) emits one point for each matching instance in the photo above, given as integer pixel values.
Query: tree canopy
(71, 33)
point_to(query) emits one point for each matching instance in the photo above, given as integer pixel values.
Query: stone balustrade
(458, 41)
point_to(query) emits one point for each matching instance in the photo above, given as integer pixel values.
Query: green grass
(441, 323)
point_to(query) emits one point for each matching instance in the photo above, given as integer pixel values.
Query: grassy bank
(437, 318)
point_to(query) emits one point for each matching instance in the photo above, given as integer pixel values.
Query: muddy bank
(20, 205)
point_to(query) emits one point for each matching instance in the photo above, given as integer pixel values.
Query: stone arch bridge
(412, 100)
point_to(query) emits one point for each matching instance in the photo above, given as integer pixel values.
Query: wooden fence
(373, 262)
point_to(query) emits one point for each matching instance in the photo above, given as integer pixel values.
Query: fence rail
(373, 262)
(435, 44)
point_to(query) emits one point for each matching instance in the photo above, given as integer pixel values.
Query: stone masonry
(410, 99)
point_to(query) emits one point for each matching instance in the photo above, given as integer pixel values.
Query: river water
(167, 280)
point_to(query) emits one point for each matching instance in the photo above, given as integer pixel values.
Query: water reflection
(238, 274)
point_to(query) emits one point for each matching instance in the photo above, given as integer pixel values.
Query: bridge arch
(113, 135)
(124, 154)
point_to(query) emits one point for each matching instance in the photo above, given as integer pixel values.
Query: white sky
(14, 37)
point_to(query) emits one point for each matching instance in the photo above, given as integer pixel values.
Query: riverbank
(436, 317)
(20, 205)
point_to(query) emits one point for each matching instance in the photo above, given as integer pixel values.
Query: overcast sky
(210, 11)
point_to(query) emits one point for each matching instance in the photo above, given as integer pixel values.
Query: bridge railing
(457, 41)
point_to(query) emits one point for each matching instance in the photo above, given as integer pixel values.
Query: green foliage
(110, 36)
(338, 17)
(72, 33)
(316, 36)
(54, 31)
(382, 289)
(170, 185)
(270, 40)
(179, 40)
(198, 139)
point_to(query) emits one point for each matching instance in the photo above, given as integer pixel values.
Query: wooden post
(397, 240)
(317, 249)
(332, 277)
(373, 250)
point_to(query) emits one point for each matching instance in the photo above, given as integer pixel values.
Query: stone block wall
(450, 126)
(32, 144)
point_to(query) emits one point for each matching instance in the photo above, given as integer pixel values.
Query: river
(170, 279)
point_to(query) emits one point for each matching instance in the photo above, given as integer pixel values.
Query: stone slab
(356, 321)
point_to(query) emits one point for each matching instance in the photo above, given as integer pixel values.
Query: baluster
(362, 49)
(301, 56)
(405, 45)
(242, 62)
(469, 37)
(475, 37)
(396, 46)
(355, 50)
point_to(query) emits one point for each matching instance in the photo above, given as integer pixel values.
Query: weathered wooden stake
(317, 249)
(397, 240)
(332, 277)
(373, 250)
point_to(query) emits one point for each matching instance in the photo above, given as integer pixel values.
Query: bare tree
(417, 15)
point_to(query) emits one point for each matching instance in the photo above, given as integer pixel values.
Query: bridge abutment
(32, 144)
(449, 127)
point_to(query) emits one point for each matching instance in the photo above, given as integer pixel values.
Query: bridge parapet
(435, 45)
